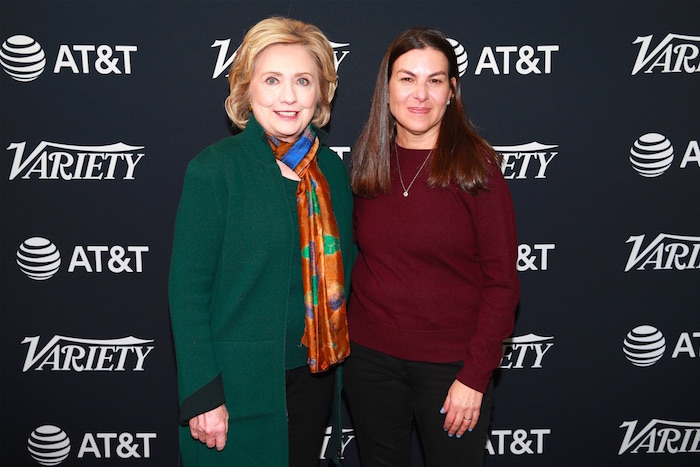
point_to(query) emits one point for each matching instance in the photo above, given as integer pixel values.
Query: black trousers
(309, 399)
(386, 395)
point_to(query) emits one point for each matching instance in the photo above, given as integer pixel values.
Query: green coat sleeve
(199, 231)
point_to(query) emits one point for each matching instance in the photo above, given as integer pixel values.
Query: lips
(419, 110)
(287, 113)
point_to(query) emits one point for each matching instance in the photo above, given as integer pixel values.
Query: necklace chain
(398, 165)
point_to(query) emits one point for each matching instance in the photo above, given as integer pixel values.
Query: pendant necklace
(398, 165)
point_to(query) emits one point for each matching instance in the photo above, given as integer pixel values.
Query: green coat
(228, 290)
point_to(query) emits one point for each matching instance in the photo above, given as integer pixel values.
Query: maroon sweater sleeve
(496, 240)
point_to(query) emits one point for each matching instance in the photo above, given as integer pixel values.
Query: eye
(271, 80)
(304, 81)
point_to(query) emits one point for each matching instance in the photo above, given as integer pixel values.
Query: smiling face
(284, 90)
(419, 88)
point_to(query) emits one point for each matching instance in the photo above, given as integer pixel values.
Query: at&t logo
(676, 53)
(461, 54)
(520, 441)
(652, 155)
(24, 59)
(527, 59)
(40, 259)
(49, 445)
(534, 258)
(645, 345)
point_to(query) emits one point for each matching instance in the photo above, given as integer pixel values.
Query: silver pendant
(405, 194)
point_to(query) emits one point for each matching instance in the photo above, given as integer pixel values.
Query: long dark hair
(460, 156)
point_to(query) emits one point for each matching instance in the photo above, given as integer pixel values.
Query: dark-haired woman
(435, 284)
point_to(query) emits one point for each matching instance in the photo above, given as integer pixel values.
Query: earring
(250, 106)
(448, 101)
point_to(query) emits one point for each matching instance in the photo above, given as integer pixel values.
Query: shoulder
(330, 163)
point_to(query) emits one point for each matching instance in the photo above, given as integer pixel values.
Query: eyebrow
(413, 74)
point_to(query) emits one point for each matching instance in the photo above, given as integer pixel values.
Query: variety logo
(63, 353)
(525, 351)
(660, 437)
(347, 436)
(520, 161)
(534, 258)
(54, 161)
(461, 54)
(22, 58)
(528, 59)
(676, 53)
(224, 60)
(652, 155)
(665, 252)
(518, 442)
(49, 445)
(38, 258)
(644, 345)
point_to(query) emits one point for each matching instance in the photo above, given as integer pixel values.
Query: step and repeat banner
(594, 106)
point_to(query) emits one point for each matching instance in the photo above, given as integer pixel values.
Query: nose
(288, 94)
(420, 91)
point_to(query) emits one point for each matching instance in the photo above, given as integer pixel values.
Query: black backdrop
(594, 105)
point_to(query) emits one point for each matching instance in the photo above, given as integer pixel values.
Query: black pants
(386, 394)
(309, 399)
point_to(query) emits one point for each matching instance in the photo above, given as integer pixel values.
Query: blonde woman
(260, 262)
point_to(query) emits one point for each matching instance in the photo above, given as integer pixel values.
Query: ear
(453, 87)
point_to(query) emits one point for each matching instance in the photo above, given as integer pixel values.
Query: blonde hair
(279, 30)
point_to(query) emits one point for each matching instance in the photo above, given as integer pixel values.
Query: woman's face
(284, 90)
(419, 88)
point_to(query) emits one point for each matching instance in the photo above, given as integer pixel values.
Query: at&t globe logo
(644, 345)
(651, 155)
(48, 445)
(461, 54)
(38, 258)
(22, 58)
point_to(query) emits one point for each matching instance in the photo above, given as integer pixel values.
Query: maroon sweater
(435, 279)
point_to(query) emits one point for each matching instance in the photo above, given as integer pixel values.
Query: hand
(211, 427)
(462, 407)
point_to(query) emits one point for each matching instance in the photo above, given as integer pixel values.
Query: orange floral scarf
(326, 332)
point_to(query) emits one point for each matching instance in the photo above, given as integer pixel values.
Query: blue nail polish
(449, 434)
(442, 410)
(459, 436)
(470, 430)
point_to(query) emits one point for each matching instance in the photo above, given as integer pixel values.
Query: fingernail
(449, 434)
(470, 430)
(459, 436)
(442, 410)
